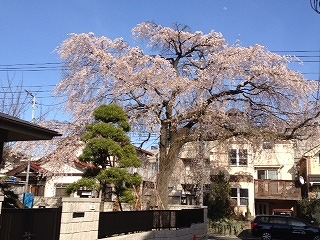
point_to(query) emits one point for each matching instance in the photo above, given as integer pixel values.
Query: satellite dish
(301, 180)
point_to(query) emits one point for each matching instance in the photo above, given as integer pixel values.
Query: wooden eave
(14, 129)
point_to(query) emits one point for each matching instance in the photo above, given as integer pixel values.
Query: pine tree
(109, 150)
(219, 202)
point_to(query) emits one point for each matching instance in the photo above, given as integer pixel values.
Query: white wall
(64, 174)
(50, 187)
(281, 157)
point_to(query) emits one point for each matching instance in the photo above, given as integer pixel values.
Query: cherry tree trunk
(170, 146)
(166, 167)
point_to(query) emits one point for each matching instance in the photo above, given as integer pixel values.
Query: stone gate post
(80, 218)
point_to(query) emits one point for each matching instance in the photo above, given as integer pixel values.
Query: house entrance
(262, 208)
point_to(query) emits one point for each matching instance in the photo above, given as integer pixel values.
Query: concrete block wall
(48, 202)
(80, 218)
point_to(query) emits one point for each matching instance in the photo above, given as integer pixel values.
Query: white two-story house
(261, 175)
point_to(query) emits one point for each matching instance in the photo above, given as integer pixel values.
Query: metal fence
(111, 223)
(35, 223)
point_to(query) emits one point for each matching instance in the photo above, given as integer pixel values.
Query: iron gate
(30, 224)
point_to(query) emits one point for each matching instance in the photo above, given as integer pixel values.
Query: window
(61, 191)
(278, 220)
(233, 156)
(262, 219)
(268, 174)
(241, 195)
(267, 145)
(296, 222)
(238, 157)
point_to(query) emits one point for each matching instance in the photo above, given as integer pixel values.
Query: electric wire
(312, 56)
(303, 56)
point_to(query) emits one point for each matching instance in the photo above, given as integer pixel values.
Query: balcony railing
(276, 189)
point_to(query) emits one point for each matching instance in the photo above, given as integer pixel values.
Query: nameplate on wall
(78, 214)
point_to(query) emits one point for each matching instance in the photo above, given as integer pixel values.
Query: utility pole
(33, 121)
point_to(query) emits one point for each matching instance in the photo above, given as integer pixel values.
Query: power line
(49, 66)
(39, 69)
(306, 61)
(55, 65)
(304, 56)
(36, 91)
(30, 86)
(29, 64)
(297, 51)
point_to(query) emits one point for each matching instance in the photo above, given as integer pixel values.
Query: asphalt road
(231, 238)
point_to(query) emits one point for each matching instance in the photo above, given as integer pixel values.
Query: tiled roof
(22, 167)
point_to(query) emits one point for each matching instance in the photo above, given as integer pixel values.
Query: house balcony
(276, 189)
(314, 179)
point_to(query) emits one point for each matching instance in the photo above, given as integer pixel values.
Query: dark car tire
(316, 237)
(266, 236)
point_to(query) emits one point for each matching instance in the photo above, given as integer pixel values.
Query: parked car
(269, 227)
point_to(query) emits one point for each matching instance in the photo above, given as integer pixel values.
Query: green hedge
(227, 227)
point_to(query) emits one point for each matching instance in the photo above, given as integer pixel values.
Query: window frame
(238, 157)
(266, 174)
(239, 198)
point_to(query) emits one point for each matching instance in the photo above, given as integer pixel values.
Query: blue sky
(31, 30)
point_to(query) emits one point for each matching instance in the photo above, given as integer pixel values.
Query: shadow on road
(244, 235)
